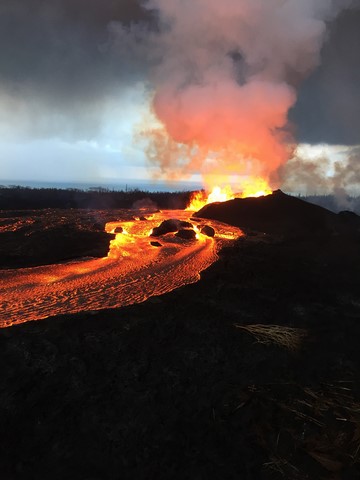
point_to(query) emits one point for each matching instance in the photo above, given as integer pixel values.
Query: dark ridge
(281, 214)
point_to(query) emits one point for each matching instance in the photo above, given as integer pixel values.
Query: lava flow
(137, 267)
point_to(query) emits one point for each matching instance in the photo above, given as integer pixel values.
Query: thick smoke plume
(226, 78)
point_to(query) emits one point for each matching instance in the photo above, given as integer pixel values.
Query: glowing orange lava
(256, 187)
(134, 270)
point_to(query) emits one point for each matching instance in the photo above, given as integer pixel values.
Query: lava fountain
(256, 187)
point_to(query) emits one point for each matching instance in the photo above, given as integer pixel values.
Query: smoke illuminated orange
(226, 80)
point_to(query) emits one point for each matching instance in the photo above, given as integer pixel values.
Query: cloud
(328, 107)
(59, 66)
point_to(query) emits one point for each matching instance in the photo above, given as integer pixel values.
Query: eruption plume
(225, 78)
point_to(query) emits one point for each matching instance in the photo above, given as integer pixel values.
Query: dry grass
(281, 466)
(323, 424)
(287, 337)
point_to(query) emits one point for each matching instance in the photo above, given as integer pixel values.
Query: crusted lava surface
(251, 373)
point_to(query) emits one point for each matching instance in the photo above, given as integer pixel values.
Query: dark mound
(186, 233)
(156, 244)
(170, 226)
(208, 231)
(186, 224)
(167, 226)
(279, 214)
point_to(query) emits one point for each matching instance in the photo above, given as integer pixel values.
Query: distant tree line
(26, 198)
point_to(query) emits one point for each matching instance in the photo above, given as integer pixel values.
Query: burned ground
(40, 237)
(251, 373)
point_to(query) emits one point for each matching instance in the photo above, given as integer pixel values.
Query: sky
(77, 78)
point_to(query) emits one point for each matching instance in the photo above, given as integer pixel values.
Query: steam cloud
(226, 79)
(322, 175)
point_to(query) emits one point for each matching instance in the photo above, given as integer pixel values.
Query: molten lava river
(133, 271)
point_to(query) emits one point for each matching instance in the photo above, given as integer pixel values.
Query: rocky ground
(252, 373)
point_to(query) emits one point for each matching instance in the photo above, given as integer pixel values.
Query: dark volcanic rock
(208, 231)
(167, 226)
(186, 233)
(186, 224)
(349, 220)
(118, 230)
(156, 244)
(274, 214)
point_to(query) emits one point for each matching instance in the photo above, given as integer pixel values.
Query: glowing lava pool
(133, 271)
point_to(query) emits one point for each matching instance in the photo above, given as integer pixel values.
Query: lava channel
(133, 271)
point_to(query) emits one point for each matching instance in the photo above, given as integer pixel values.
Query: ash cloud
(226, 81)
